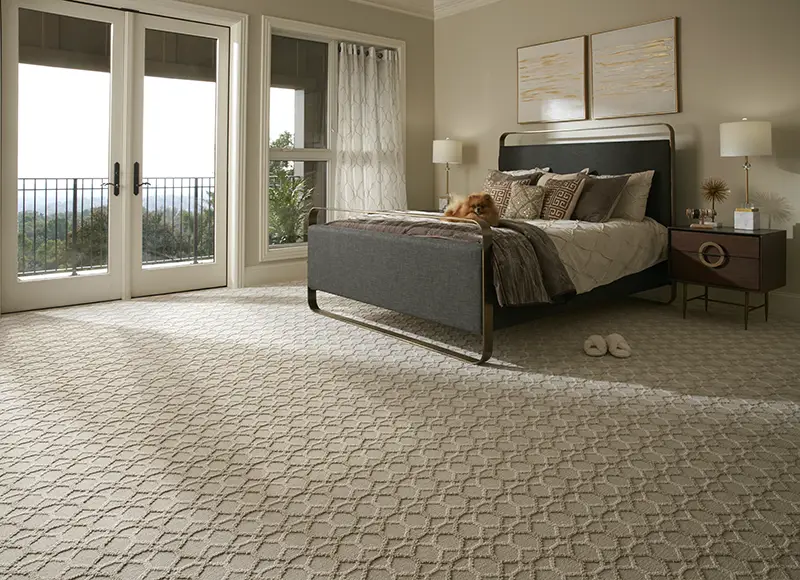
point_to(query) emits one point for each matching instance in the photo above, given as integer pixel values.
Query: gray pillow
(599, 198)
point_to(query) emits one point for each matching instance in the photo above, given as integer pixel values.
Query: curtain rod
(378, 51)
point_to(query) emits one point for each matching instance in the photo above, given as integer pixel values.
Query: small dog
(476, 206)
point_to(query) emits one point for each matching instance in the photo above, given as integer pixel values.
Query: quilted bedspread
(598, 254)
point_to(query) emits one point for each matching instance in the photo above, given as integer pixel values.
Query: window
(299, 136)
(301, 164)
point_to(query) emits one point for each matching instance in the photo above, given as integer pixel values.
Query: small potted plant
(716, 191)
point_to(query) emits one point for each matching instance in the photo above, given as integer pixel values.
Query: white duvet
(598, 254)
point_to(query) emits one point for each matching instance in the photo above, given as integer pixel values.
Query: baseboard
(276, 273)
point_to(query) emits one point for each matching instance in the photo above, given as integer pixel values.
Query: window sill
(289, 252)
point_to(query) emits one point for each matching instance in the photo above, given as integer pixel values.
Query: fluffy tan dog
(477, 205)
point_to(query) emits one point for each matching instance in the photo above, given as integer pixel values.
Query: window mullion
(300, 155)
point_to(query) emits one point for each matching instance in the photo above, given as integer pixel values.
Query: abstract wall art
(635, 71)
(551, 81)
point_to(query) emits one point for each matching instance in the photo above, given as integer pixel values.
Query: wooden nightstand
(748, 261)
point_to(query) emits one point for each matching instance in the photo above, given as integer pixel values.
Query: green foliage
(51, 245)
(167, 235)
(289, 199)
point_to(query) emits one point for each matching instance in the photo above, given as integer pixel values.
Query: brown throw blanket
(525, 262)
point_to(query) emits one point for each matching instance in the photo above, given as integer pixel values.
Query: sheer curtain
(370, 154)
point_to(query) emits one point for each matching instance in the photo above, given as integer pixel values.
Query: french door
(114, 168)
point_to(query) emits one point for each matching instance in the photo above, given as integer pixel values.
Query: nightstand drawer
(731, 245)
(733, 271)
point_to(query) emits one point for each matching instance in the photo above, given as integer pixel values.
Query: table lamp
(447, 151)
(746, 139)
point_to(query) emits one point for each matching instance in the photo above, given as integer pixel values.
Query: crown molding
(429, 9)
(418, 8)
(445, 8)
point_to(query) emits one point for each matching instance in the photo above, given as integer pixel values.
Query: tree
(289, 198)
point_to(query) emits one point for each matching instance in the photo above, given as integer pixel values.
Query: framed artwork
(551, 81)
(635, 71)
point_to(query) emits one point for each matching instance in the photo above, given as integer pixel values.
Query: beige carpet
(237, 435)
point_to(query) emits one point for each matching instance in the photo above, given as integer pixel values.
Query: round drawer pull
(706, 262)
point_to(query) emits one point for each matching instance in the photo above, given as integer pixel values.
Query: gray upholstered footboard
(436, 279)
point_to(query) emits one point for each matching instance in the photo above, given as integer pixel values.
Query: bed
(451, 282)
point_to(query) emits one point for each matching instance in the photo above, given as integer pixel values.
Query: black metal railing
(63, 223)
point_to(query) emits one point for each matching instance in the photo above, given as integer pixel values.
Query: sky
(64, 124)
(281, 112)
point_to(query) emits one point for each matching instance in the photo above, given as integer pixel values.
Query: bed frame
(450, 281)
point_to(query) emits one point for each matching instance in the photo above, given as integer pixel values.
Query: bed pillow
(560, 198)
(633, 202)
(525, 202)
(548, 176)
(521, 172)
(498, 185)
(599, 198)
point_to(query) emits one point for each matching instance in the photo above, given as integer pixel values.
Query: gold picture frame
(635, 70)
(552, 81)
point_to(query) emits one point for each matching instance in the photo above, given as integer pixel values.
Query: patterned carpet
(234, 434)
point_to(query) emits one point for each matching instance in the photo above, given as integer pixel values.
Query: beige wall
(418, 35)
(738, 58)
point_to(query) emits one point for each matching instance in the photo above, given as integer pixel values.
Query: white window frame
(238, 23)
(330, 36)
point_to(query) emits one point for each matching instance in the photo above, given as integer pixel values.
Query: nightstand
(748, 261)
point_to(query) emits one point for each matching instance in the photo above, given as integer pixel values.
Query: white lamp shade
(447, 151)
(745, 138)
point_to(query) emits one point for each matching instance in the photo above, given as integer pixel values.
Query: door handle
(137, 185)
(115, 185)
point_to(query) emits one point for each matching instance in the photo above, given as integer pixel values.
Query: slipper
(595, 345)
(618, 346)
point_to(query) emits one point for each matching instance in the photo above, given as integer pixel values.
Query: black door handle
(137, 185)
(115, 185)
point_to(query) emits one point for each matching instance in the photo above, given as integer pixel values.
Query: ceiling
(429, 8)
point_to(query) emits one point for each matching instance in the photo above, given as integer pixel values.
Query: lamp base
(747, 218)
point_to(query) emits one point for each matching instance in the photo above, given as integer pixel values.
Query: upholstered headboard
(607, 157)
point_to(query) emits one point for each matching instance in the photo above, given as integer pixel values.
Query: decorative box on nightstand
(748, 261)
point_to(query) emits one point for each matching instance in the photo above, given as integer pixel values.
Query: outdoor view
(297, 121)
(64, 138)
(64, 210)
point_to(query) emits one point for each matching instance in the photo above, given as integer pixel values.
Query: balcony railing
(63, 223)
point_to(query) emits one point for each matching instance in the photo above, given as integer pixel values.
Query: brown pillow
(560, 198)
(599, 198)
(525, 202)
(498, 185)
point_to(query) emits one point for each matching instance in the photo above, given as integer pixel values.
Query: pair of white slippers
(613, 344)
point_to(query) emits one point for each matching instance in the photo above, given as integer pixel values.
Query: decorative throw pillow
(498, 185)
(548, 176)
(560, 198)
(599, 198)
(633, 201)
(525, 202)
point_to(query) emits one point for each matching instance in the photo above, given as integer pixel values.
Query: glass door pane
(62, 117)
(63, 145)
(179, 149)
(180, 153)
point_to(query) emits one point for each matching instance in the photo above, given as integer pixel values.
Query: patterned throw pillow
(498, 185)
(525, 202)
(560, 198)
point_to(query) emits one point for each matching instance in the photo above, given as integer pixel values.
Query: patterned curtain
(370, 155)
